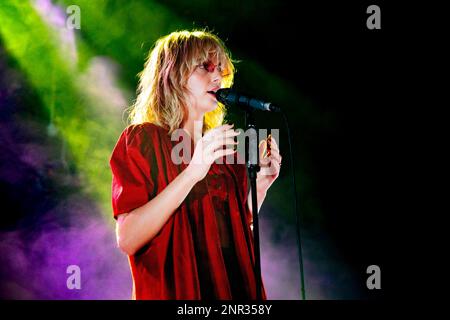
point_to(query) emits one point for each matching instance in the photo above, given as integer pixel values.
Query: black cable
(297, 216)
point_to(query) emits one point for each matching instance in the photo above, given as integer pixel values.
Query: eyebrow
(210, 61)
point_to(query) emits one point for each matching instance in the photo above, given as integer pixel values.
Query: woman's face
(205, 77)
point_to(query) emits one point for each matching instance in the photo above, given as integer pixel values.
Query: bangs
(204, 48)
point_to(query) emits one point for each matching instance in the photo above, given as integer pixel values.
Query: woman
(185, 225)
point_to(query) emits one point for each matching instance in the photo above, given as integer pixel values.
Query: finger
(224, 134)
(231, 133)
(271, 146)
(264, 162)
(219, 144)
(219, 136)
(209, 150)
(225, 127)
(268, 170)
(222, 153)
(263, 143)
(223, 138)
(273, 168)
(263, 149)
(275, 155)
(224, 141)
(273, 143)
(218, 129)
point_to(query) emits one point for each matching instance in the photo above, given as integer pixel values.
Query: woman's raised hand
(210, 148)
(270, 163)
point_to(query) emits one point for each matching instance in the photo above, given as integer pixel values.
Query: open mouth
(212, 93)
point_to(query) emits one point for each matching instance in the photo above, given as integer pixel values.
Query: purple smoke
(35, 260)
(325, 273)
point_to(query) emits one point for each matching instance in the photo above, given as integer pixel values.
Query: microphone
(228, 96)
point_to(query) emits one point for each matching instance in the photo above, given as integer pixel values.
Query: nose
(216, 75)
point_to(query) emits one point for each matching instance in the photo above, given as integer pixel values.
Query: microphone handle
(227, 96)
(253, 103)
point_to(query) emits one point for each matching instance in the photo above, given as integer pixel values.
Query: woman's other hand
(270, 162)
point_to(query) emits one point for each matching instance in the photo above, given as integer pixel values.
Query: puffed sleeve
(130, 162)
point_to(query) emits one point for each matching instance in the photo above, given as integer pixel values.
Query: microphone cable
(299, 242)
(226, 96)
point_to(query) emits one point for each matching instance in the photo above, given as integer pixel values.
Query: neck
(194, 126)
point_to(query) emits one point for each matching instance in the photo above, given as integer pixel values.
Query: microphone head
(222, 95)
(229, 97)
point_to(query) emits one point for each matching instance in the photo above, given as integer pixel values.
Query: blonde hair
(162, 83)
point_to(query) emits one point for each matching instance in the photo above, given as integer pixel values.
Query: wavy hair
(161, 93)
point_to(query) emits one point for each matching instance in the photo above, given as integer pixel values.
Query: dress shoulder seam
(134, 130)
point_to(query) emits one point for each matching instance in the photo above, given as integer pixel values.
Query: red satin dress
(205, 250)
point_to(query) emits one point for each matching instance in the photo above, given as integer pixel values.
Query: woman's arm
(136, 228)
(141, 225)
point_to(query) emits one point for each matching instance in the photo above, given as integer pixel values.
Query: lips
(213, 90)
(213, 94)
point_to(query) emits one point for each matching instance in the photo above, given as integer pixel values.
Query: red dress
(205, 250)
